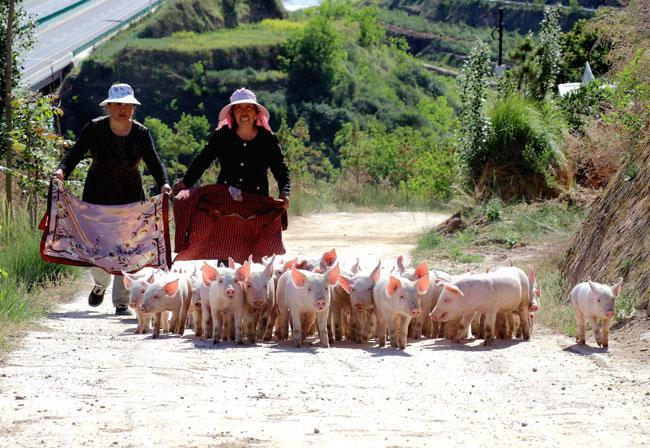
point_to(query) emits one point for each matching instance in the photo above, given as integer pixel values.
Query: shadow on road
(585, 350)
(446, 344)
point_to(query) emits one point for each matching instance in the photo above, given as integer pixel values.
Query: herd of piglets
(297, 298)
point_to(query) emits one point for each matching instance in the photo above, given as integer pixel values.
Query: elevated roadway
(60, 42)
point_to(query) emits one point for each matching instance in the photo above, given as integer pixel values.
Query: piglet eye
(142, 290)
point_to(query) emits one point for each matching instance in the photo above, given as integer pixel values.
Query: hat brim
(130, 99)
(226, 109)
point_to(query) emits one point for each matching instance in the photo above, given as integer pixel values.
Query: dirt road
(84, 379)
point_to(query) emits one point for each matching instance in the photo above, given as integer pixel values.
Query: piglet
(396, 303)
(302, 295)
(169, 292)
(597, 303)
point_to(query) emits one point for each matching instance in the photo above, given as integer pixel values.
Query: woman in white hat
(246, 149)
(116, 143)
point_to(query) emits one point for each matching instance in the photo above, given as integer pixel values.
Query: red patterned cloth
(113, 237)
(211, 225)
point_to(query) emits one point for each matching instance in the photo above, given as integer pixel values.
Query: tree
(539, 62)
(550, 52)
(312, 59)
(475, 126)
(16, 37)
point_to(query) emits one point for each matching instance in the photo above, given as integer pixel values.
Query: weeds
(24, 277)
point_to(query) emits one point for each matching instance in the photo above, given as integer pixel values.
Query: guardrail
(46, 75)
(117, 27)
(42, 21)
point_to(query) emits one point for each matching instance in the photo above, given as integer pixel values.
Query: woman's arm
(201, 163)
(279, 167)
(77, 153)
(152, 160)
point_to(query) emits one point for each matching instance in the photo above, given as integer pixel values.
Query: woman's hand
(285, 201)
(178, 187)
(165, 189)
(58, 174)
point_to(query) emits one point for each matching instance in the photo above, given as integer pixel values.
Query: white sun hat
(242, 96)
(120, 93)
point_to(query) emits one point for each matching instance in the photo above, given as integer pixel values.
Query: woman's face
(244, 114)
(120, 112)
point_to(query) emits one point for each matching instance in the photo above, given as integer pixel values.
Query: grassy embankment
(529, 234)
(29, 287)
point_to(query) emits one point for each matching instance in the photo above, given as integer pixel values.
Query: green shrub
(494, 208)
(590, 101)
(522, 151)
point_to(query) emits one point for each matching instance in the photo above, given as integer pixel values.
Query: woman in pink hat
(246, 149)
(116, 143)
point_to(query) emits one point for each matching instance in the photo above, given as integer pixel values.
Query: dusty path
(85, 379)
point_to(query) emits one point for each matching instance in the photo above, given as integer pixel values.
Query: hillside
(208, 15)
(375, 81)
(519, 16)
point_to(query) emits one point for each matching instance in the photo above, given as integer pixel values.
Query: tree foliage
(22, 41)
(312, 59)
(538, 60)
(475, 127)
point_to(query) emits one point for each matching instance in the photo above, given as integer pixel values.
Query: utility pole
(500, 68)
(500, 36)
(8, 107)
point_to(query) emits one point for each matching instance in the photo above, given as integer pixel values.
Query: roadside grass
(28, 285)
(346, 195)
(268, 32)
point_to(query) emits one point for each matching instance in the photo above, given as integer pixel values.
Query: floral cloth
(113, 237)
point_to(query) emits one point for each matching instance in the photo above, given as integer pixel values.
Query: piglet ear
(298, 277)
(400, 264)
(289, 264)
(243, 272)
(422, 270)
(531, 275)
(355, 267)
(127, 280)
(345, 283)
(268, 270)
(423, 284)
(231, 263)
(329, 257)
(374, 275)
(332, 276)
(210, 273)
(152, 278)
(171, 287)
(250, 258)
(592, 285)
(538, 290)
(392, 286)
(616, 289)
(453, 289)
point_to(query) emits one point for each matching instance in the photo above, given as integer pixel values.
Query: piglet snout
(230, 293)
(415, 312)
(609, 314)
(320, 304)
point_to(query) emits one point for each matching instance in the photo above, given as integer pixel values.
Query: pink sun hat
(120, 93)
(244, 96)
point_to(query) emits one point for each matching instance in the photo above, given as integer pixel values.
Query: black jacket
(114, 174)
(244, 165)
